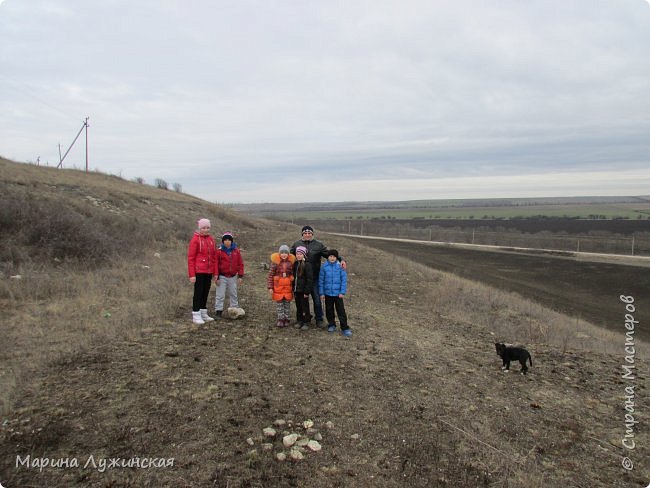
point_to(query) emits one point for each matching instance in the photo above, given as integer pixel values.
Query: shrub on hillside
(65, 234)
(34, 228)
(42, 228)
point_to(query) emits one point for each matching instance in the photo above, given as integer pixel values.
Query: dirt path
(414, 400)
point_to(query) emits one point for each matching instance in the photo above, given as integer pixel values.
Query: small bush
(65, 234)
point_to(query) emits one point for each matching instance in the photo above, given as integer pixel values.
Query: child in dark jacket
(280, 283)
(302, 287)
(332, 285)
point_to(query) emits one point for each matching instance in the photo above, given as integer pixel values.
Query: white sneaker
(205, 316)
(196, 318)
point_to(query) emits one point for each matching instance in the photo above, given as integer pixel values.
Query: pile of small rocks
(288, 440)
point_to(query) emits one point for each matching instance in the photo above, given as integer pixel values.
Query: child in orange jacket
(280, 283)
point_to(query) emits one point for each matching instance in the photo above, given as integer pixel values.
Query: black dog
(509, 353)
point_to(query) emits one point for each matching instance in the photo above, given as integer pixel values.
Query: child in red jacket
(280, 283)
(231, 272)
(201, 267)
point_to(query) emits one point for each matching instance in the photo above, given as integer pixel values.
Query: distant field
(605, 210)
(587, 290)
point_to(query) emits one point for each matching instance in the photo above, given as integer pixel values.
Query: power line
(32, 97)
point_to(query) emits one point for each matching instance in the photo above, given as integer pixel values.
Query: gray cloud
(236, 93)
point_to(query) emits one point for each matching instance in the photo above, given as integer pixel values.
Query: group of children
(290, 277)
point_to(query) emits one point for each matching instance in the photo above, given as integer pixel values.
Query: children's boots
(204, 315)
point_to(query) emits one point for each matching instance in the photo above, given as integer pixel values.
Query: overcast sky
(296, 100)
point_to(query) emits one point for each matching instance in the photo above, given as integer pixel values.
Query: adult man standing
(315, 251)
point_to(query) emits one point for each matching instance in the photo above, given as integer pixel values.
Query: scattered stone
(171, 354)
(269, 432)
(267, 446)
(280, 423)
(312, 431)
(289, 440)
(354, 436)
(318, 436)
(250, 441)
(303, 441)
(16, 277)
(314, 446)
(281, 456)
(156, 255)
(329, 424)
(296, 455)
(234, 313)
(307, 424)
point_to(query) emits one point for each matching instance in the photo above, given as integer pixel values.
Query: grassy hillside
(100, 359)
(77, 254)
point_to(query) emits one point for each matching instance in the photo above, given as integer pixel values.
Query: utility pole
(84, 126)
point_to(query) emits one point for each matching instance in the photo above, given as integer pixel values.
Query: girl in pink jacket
(202, 269)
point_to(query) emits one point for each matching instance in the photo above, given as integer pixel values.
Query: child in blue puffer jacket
(332, 285)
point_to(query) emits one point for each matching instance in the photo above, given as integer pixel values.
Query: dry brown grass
(512, 318)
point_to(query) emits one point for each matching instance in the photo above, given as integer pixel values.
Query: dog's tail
(530, 358)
